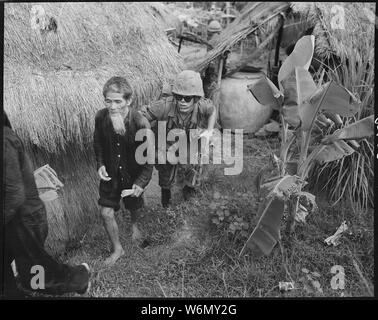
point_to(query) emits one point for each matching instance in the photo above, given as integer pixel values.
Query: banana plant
(305, 108)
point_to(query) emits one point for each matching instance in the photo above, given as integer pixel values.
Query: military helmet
(188, 83)
(214, 26)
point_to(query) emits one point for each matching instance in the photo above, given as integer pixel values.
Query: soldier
(214, 28)
(210, 76)
(186, 109)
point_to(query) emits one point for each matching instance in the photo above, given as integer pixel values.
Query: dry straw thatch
(166, 14)
(57, 78)
(53, 85)
(357, 37)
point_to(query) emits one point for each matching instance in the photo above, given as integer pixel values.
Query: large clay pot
(238, 108)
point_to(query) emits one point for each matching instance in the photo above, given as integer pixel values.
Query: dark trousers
(24, 242)
(190, 175)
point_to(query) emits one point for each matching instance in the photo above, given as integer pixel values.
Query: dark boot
(165, 197)
(188, 192)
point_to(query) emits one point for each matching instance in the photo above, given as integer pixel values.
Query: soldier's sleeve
(146, 173)
(14, 184)
(206, 107)
(154, 111)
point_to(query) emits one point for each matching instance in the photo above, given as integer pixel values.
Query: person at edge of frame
(183, 108)
(115, 146)
(26, 231)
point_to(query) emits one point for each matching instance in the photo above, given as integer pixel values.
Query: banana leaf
(363, 128)
(281, 187)
(290, 104)
(305, 84)
(291, 115)
(266, 93)
(338, 100)
(334, 151)
(305, 89)
(267, 231)
(300, 57)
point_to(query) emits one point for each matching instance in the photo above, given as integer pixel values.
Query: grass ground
(190, 256)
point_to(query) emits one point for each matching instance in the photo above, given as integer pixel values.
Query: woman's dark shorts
(110, 196)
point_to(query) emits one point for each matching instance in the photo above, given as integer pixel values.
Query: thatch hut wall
(53, 84)
(166, 14)
(344, 29)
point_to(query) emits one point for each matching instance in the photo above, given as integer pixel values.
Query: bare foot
(137, 235)
(114, 257)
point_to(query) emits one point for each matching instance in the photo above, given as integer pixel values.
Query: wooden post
(228, 13)
(221, 62)
(216, 96)
(181, 40)
(276, 65)
(276, 56)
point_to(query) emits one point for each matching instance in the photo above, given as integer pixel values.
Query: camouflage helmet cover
(214, 26)
(188, 83)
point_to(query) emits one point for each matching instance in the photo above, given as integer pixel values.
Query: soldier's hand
(103, 174)
(137, 191)
(207, 134)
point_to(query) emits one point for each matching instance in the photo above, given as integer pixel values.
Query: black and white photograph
(188, 150)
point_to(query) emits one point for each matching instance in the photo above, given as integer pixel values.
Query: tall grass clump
(351, 177)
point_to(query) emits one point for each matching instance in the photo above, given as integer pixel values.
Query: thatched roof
(53, 80)
(358, 33)
(166, 14)
(252, 16)
(355, 39)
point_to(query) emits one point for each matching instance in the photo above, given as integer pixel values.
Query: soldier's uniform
(210, 76)
(165, 110)
(188, 176)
